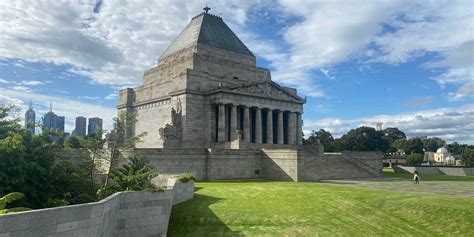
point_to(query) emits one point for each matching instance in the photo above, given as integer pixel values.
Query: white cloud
(32, 83)
(332, 32)
(451, 124)
(63, 106)
(111, 96)
(113, 46)
(465, 91)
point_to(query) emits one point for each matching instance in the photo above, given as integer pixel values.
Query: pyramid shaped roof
(207, 29)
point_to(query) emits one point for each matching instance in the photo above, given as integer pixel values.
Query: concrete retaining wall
(121, 214)
(338, 166)
(433, 170)
(278, 164)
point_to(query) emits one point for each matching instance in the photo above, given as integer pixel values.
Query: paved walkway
(458, 188)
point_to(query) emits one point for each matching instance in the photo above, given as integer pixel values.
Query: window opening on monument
(228, 121)
(241, 118)
(257, 172)
(216, 119)
(252, 125)
(275, 126)
(264, 126)
(236, 78)
(285, 127)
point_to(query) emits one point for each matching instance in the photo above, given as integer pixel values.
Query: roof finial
(206, 9)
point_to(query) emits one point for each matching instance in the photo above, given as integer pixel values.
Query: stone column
(269, 127)
(291, 128)
(280, 128)
(258, 125)
(299, 129)
(246, 124)
(221, 124)
(233, 123)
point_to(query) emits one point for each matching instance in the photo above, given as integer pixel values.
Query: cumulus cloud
(451, 124)
(390, 32)
(112, 43)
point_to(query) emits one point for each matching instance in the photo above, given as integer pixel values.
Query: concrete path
(458, 188)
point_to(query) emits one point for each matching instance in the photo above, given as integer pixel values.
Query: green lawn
(312, 209)
(389, 173)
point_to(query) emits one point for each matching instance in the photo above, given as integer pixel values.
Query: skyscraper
(60, 123)
(80, 129)
(53, 122)
(30, 118)
(94, 124)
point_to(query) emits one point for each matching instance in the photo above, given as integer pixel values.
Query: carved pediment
(265, 89)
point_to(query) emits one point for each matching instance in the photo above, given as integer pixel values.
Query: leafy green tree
(29, 165)
(73, 142)
(9, 198)
(433, 143)
(364, 139)
(325, 137)
(399, 144)
(414, 145)
(415, 159)
(467, 157)
(73, 182)
(391, 135)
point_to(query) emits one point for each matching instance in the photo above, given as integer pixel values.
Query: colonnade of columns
(257, 125)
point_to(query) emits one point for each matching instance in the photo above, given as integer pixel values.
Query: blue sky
(408, 64)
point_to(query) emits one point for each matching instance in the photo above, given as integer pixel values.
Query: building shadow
(195, 218)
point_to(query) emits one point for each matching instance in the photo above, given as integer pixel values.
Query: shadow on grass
(195, 218)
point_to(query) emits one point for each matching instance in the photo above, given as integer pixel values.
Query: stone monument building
(208, 108)
(210, 78)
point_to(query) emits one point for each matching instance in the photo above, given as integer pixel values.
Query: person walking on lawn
(416, 178)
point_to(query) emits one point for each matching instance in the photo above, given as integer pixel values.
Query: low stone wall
(142, 213)
(302, 164)
(434, 170)
(315, 167)
(280, 164)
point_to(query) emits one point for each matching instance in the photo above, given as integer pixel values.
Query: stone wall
(280, 164)
(142, 213)
(433, 170)
(273, 163)
(233, 164)
(345, 165)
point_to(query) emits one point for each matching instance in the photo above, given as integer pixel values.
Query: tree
(433, 143)
(29, 165)
(364, 139)
(324, 137)
(414, 145)
(415, 159)
(467, 157)
(393, 134)
(399, 144)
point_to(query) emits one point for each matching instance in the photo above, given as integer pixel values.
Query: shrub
(9, 198)
(186, 177)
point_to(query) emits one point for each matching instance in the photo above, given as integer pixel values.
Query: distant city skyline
(56, 122)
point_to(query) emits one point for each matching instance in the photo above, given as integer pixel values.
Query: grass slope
(311, 209)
